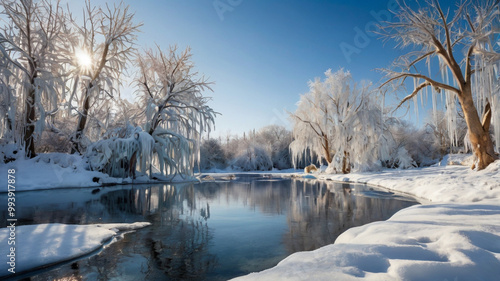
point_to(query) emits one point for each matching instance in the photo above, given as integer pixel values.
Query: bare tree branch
(413, 94)
(431, 81)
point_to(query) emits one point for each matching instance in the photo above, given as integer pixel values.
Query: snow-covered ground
(60, 170)
(45, 244)
(457, 239)
(441, 184)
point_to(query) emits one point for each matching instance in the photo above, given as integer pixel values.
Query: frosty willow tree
(340, 122)
(175, 111)
(438, 38)
(30, 49)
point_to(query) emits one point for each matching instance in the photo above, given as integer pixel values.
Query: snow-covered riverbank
(40, 245)
(458, 239)
(60, 170)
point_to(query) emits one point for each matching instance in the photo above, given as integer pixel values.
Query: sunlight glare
(84, 59)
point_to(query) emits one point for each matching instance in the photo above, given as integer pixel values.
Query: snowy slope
(459, 240)
(44, 244)
(426, 242)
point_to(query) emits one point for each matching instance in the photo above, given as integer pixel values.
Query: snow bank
(45, 244)
(60, 170)
(51, 171)
(440, 184)
(425, 242)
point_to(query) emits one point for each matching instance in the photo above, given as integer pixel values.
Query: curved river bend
(206, 231)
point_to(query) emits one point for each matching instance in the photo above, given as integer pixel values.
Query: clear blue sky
(262, 53)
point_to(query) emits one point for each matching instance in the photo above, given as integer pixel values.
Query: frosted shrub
(211, 155)
(281, 159)
(404, 160)
(10, 152)
(253, 158)
(117, 156)
(410, 147)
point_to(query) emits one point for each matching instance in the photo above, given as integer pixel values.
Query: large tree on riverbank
(438, 38)
(103, 45)
(30, 46)
(341, 122)
(176, 112)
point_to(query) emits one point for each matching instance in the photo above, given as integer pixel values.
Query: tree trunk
(29, 138)
(82, 122)
(326, 148)
(479, 136)
(346, 166)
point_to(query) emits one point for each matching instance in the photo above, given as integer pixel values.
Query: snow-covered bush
(252, 158)
(410, 147)
(276, 140)
(10, 152)
(54, 140)
(212, 155)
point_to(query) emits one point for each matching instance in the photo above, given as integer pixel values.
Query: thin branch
(468, 66)
(415, 92)
(446, 28)
(420, 58)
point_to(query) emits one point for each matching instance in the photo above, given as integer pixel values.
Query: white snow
(45, 244)
(438, 184)
(458, 239)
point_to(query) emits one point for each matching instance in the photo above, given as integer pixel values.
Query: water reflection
(212, 230)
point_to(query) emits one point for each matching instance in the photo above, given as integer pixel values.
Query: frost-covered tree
(276, 139)
(438, 38)
(7, 104)
(30, 45)
(340, 121)
(176, 112)
(101, 48)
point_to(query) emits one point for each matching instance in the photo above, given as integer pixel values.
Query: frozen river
(206, 231)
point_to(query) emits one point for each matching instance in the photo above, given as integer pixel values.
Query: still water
(206, 231)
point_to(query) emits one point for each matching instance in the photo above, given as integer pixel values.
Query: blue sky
(262, 53)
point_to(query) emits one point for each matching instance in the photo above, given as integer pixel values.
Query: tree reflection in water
(180, 244)
(320, 212)
(180, 236)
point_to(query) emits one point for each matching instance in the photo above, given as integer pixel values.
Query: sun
(84, 59)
